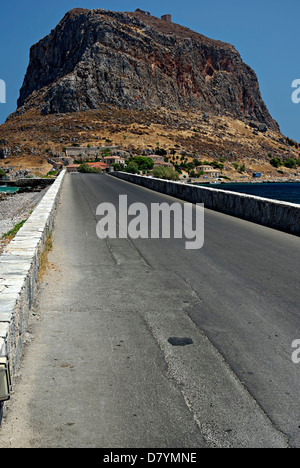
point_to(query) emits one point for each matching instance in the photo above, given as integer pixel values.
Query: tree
(290, 163)
(105, 153)
(86, 169)
(217, 165)
(178, 169)
(162, 172)
(161, 152)
(132, 168)
(276, 162)
(142, 163)
(190, 166)
(2, 173)
(118, 167)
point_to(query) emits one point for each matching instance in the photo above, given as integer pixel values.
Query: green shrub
(142, 163)
(106, 153)
(132, 168)
(160, 152)
(11, 234)
(276, 162)
(290, 163)
(52, 173)
(165, 173)
(118, 167)
(217, 165)
(86, 169)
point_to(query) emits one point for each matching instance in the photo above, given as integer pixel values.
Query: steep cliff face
(135, 61)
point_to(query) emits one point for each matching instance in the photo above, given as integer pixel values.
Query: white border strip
(19, 267)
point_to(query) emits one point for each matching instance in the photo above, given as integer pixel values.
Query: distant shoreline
(282, 191)
(248, 182)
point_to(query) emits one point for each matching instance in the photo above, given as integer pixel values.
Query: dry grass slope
(32, 137)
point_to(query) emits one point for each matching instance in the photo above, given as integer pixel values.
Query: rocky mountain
(141, 84)
(137, 61)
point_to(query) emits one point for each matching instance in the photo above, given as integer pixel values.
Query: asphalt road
(100, 368)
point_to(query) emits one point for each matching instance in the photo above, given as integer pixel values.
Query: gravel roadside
(16, 208)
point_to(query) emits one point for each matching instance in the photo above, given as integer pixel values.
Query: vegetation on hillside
(164, 172)
(185, 140)
(86, 169)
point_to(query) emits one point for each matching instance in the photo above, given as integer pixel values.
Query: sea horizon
(281, 191)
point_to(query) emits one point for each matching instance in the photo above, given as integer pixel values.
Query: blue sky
(265, 32)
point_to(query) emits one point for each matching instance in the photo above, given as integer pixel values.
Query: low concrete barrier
(32, 183)
(19, 268)
(275, 214)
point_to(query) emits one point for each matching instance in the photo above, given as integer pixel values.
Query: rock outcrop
(132, 60)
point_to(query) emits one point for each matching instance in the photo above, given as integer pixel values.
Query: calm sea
(9, 189)
(289, 192)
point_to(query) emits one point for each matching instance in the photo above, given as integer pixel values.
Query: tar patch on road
(175, 341)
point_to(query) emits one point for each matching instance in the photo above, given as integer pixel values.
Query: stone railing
(19, 268)
(275, 214)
